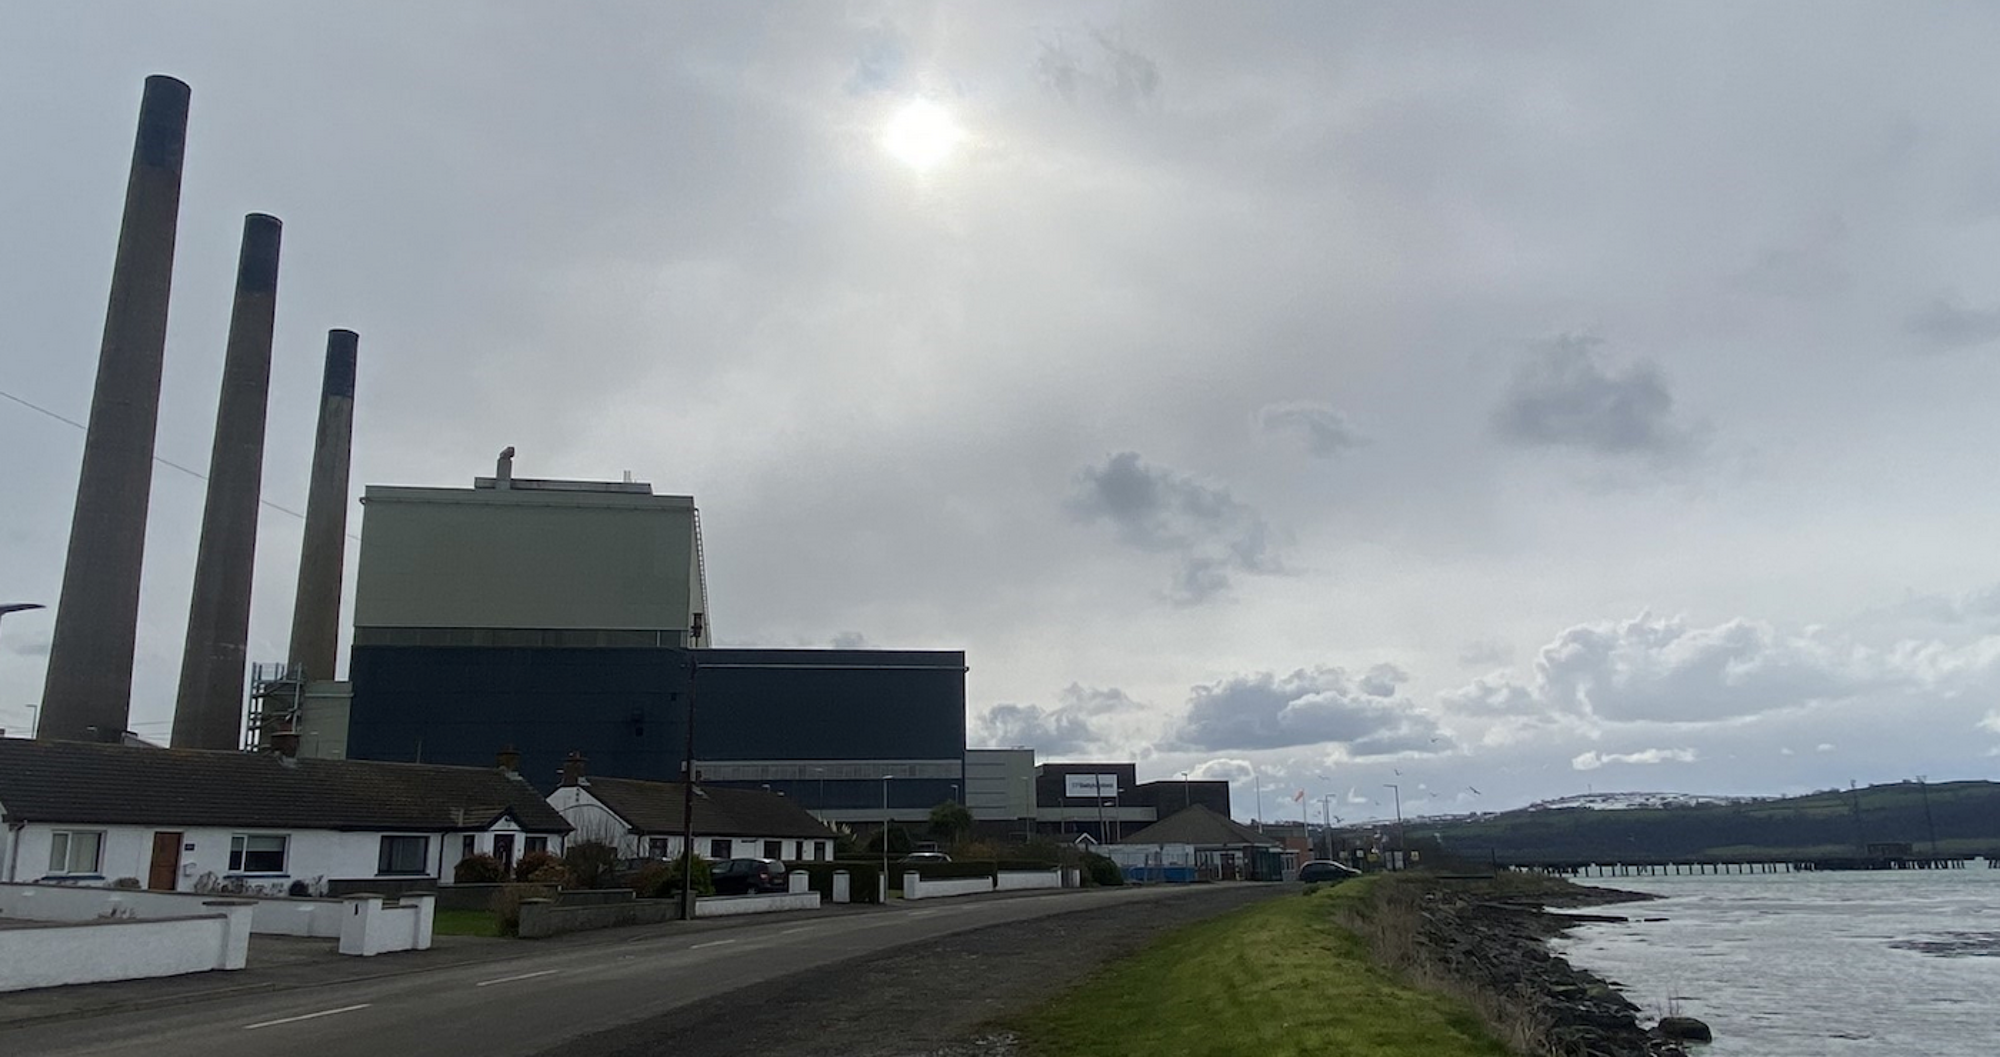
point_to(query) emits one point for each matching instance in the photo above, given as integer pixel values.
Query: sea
(1811, 964)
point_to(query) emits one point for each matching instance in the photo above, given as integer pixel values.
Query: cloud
(1564, 396)
(1266, 711)
(1223, 769)
(1591, 761)
(1661, 670)
(1324, 431)
(1107, 68)
(1485, 653)
(1946, 324)
(1991, 723)
(1071, 727)
(1158, 510)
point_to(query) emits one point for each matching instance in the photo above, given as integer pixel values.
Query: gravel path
(932, 999)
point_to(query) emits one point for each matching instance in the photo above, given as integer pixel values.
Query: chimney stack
(572, 770)
(286, 743)
(87, 695)
(209, 712)
(508, 760)
(503, 470)
(316, 607)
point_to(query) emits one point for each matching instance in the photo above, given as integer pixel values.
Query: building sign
(1085, 786)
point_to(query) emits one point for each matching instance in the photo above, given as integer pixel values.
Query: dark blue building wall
(624, 709)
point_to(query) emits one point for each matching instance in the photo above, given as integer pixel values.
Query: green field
(1277, 979)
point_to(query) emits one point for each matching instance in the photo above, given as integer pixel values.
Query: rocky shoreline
(1490, 937)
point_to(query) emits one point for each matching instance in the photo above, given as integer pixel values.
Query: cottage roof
(86, 782)
(1201, 827)
(655, 808)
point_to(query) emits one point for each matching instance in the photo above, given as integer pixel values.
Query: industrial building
(560, 616)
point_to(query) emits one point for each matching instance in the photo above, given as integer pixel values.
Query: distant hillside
(1965, 817)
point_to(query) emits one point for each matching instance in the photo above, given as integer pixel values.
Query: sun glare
(921, 135)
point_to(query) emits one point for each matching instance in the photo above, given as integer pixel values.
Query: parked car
(735, 877)
(923, 858)
(1326, 870)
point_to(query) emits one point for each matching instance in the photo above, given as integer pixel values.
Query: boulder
(1686, 1029)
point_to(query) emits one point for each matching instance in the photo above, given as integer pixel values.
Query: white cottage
(201, 820)
(644, 820)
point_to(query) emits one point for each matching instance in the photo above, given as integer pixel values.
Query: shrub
(591, 864)
(551, 873)
(506, 904)
(478, 870)
(532, 862)
(1101, 870)
(650, 881)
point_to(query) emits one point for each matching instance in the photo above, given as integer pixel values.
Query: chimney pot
(286, 743)
(508, 760)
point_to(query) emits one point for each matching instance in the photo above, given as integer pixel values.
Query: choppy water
(1813, 964)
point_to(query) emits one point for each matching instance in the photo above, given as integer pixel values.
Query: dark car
(735, 877)
(1326, 870)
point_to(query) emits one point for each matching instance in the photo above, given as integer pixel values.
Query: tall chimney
(316, 606)
(209, 712)
(87, 695)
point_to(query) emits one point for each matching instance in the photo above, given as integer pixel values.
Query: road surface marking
(511, 979)
(799, 928)
(305, 1016)
(710, 943)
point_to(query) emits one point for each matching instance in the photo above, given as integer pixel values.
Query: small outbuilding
(186, 820)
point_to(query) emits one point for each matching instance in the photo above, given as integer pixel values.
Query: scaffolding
(277, 698)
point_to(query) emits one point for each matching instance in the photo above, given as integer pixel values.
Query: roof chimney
(286, 743)
(508, 760)
(503, 473)
(572, 771)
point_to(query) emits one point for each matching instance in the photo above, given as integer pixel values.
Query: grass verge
(466, 923)
(1276, 979)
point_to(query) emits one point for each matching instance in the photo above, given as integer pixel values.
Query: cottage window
(659, 848)
(819, 850)
(718, 848)
(774, 849)
(404, 855)
(76, 851)
(535, 844)
(257, 853)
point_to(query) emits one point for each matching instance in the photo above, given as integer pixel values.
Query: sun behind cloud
(921, 135)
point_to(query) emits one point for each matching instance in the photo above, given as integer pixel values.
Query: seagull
(1475, 792)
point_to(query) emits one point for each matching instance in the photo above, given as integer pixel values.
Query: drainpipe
(14, 847)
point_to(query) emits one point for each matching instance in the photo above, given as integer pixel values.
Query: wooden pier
(1682, 867)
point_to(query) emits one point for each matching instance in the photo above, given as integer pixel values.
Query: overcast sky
(1521, 398)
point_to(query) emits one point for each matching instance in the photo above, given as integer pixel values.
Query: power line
(196, 474)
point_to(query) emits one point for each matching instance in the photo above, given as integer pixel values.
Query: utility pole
(687, 804)
(1326, 817)
(1924, 790)
(1400, 853)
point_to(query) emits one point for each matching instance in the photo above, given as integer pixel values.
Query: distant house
(200, 820)
(1204, 843)
(644, 820)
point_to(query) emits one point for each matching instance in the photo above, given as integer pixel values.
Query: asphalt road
(526, 1005)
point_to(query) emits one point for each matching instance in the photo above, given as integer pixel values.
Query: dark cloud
(1324, 431)
(1946, 324)
(1158, 510)
(1074, 726)
(1563, 395)
(1307, 707)
(1661, 670)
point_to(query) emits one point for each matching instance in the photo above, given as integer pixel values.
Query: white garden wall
(119, 949)
(915, 887)
(1018, 880)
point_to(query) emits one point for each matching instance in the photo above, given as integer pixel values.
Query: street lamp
(1394, 788)
(1187, 798)
(885, 838)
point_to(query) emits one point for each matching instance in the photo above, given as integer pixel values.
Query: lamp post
(1028, 802)
(885, 837)
(1187, 797)
(1394, 788)
(687, 803)
(1326, 809)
